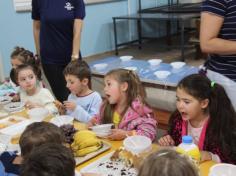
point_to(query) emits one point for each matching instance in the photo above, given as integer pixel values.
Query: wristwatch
(74, 57)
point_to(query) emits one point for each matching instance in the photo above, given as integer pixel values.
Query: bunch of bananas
(85, 142)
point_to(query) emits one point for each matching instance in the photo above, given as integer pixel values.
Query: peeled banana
(85, 142)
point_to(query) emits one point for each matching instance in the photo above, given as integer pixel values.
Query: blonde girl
(125, 106)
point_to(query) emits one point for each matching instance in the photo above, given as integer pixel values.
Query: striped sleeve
(217, 7)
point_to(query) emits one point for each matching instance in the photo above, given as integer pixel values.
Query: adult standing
(218, 39)
(57, 26)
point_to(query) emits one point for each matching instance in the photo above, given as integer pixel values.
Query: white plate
(16, 128)
(99, 167)
(11, 120)
(162, 74)
(62, 120)
(126, 58)
(177, 65)
(154, 62)
(14, 106)
(100, 66)
(5, 99)
(131, 68)
(3, 114)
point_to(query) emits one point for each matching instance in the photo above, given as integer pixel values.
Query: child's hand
(61, 108)
(92, 122)
(166, 141)
(31, 105)
(205, 156)
(117, 134)
(69, 105)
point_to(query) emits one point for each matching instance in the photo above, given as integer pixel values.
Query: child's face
(15, 63)
(112, 90)
(188, 106)
(27, 80)
(74, 84)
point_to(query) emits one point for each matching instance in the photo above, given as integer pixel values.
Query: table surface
(204, 167)
(145, 70)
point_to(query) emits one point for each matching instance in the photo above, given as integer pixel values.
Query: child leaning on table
(125, 106)
(83, 103)
(34, 135)
(167, 162)
(205, 113)
(49, 160)
(31, 93)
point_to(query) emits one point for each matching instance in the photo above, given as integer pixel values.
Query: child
(167, 162)
(18, 56)
(34, 135)
(205, 113)
(82, 103)
(31, 93)
(49, 159)
(125, 106)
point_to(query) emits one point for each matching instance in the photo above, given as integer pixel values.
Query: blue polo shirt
(56, 28)
(223, 64)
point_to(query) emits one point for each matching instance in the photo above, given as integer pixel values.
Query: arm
(209, 40)
(36, 31)
(78, 23)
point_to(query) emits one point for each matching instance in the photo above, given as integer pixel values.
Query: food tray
(11, 120)
(79, 160)
(14, 106)
(106, 167)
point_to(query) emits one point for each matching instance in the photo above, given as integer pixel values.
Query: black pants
(56, 79)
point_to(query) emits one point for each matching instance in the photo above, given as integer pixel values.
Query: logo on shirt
(68, 6)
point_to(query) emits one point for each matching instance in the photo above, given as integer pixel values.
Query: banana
(89, 142)
(87, 150)
(80, 136)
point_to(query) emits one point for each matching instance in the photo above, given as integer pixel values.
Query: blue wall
(97, 36)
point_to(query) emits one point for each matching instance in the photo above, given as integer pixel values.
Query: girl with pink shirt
(205, 112)
(125, 106)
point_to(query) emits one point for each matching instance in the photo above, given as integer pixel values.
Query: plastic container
(223, 169)
(187, 147)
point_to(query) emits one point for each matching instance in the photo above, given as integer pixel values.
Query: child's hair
(49, 160)
(222, 124)
(167, 163)
(80, 69)
(25, 57)
(134, 90)
(39, 133)
(36, 71)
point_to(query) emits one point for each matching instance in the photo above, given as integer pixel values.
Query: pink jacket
(139, 118)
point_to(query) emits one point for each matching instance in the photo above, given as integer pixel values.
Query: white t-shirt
(43, 97)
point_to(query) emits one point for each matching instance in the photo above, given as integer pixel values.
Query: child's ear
(85, 81)
(204, 103)
(124, 86)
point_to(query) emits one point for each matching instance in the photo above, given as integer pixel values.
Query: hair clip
(212, 84)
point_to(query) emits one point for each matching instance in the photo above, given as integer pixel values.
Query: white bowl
(104, 128)
(137, 144)
(154, 62)
(177, 65)
(5, 99)
(14, 106)
(131, 68)
(162, 74)
(223, 170)
(38, 114)
(126, 58)
(100, 66)
(62, 120)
